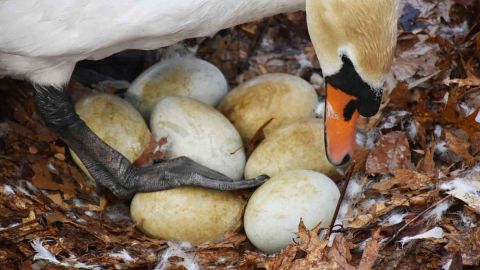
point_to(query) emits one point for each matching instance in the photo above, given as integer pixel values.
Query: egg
(282, 97)
(178, 76)
(274, 210)
(116, 122)
(199, 132)
(189, 214)
(298, 145)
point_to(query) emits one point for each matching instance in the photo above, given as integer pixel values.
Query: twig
(416, 218)
(347, 177)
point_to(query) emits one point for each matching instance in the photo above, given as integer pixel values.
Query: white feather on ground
(436, 233)
(177, 249)
(43, 254)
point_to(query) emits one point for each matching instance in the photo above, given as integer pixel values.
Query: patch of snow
(477, 118)
(436, 233)
(177, 249)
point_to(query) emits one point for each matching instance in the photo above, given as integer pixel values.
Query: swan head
(355, 43)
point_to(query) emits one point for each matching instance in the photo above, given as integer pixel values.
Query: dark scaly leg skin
(111, 169)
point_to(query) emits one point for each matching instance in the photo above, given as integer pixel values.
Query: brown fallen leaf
(427, 165)
(468, 243)
(151, 152)
(400, 96)
(371, 252)
(404, 179)
(42, 177)
(472, 128)
(391, 152)
(459, 147)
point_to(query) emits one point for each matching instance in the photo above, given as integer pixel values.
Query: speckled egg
(298, 145)
(274, 211)
(178, 76)
(199, 132)
(116, 122)
(282, 97)
(189, 214)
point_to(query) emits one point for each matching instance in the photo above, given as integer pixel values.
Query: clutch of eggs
(177, 95)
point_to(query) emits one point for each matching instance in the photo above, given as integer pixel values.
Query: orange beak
(339, 129)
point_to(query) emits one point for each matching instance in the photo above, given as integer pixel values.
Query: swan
(42, 40)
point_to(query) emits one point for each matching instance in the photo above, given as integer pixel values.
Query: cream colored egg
(299, 145)
(274, 211)
(189, 214)
(199, 132)
(282, 97)
(178, 76)
(116, 122)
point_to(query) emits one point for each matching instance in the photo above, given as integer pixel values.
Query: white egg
(282, 97)
(298, 145)
(189, 214)
(178, 76)
(116, 122)
(274, 211)
(199, 132)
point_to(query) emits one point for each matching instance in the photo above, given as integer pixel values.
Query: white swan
(42, 40)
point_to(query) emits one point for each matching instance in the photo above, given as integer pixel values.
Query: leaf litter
(413, 200)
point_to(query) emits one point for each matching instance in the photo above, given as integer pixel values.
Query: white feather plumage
(42, 40)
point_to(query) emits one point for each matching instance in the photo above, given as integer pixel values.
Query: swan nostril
(345, 160)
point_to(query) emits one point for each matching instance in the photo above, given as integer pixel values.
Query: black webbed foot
(111, 169)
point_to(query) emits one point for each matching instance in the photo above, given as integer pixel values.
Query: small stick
(347, 177)
(416, 218)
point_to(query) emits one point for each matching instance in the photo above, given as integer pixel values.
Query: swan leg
(111, 169)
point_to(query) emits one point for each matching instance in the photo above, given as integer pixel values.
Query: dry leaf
(370, 252)
(404, 179)
(459, 147)
(151, 152)
(391, 152)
